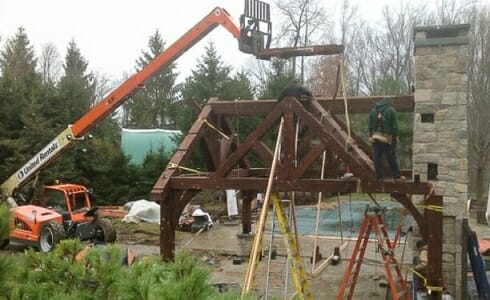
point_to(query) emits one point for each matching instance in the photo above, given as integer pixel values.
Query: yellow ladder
(298, 273)
(296, 265)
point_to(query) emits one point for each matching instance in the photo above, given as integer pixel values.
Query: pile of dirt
(140, 233)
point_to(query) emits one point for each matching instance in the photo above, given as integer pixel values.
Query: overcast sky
(112, 33)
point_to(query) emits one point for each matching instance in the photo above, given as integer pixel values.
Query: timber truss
(237, 155)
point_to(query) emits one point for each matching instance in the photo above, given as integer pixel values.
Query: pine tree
(76, 86)
(150, 107)
(210, 78)
(22, 123)
(276, 79)
(17, 60)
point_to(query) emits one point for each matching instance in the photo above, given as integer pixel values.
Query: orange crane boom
(250, 40)
(217, 16)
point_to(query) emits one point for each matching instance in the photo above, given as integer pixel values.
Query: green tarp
(136, 143)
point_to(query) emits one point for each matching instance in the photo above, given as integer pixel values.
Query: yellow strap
(432, 207)
(215, 129)
(176, 166)
(430, 288)
(434, 288)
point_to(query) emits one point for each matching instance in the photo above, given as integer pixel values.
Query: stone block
(461, 188)
(449, 248)
(463, 163)
(451, 98)
(445, 178)
(423, 95)
(457, 112)
(446, 257)
(461, 175)
(425, 108)
(425, 157)
(441, 115)
(426, 137)
(450, 201)
(456, 81)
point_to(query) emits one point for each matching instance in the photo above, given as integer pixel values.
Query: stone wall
(440, 135)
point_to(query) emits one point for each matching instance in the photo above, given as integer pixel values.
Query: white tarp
(142, 210)
(231, 203)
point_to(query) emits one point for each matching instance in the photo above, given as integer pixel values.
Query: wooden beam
(356, 105)
(179, 156)
(260, 184)
(308, 184)
(300, 51)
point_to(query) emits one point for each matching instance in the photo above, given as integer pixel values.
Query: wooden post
(433, 219)
(247, 212)
(168, 222)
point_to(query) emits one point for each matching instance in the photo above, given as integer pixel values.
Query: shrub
(4, 221)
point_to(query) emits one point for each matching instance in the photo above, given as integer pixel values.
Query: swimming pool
(352, 214)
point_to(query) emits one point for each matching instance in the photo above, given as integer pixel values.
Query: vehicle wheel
(104, 231)
(49, 236)
(4, 243)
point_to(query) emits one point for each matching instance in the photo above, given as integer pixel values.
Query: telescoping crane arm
(118, 96)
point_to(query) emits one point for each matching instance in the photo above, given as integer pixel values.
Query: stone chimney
(440, 142)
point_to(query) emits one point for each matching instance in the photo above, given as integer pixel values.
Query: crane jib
(38, 161)
(45, 154)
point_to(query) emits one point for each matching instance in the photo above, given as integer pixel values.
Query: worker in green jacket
(383, 134)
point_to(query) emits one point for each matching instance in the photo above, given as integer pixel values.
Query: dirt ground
(226, 252)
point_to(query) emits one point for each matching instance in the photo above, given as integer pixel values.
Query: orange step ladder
(373, 221)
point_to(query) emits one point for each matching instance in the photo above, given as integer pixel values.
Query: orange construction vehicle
(44, 225)
(64, 211)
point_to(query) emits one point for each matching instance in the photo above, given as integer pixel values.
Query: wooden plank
(300, 51)
(307, 184)
(357, 105)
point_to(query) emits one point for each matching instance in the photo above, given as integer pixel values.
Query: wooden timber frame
(229, 166)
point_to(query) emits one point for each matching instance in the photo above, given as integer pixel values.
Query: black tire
(49, 236)
(4, 243)
(104, 231)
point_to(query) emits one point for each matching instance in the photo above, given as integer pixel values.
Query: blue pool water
(351, 214)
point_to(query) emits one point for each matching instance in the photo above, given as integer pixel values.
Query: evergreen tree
(150, 107)
(210, 78)
(276, 79)
(74, 97)
(92, 162)
(21, 117)
(76, 86)
(17, 60)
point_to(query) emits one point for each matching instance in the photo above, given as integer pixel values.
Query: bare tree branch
(50, 64)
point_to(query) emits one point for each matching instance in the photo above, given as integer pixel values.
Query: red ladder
(373, 220)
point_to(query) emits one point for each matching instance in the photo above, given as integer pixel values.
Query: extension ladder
(373, 220)
(298, 273)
